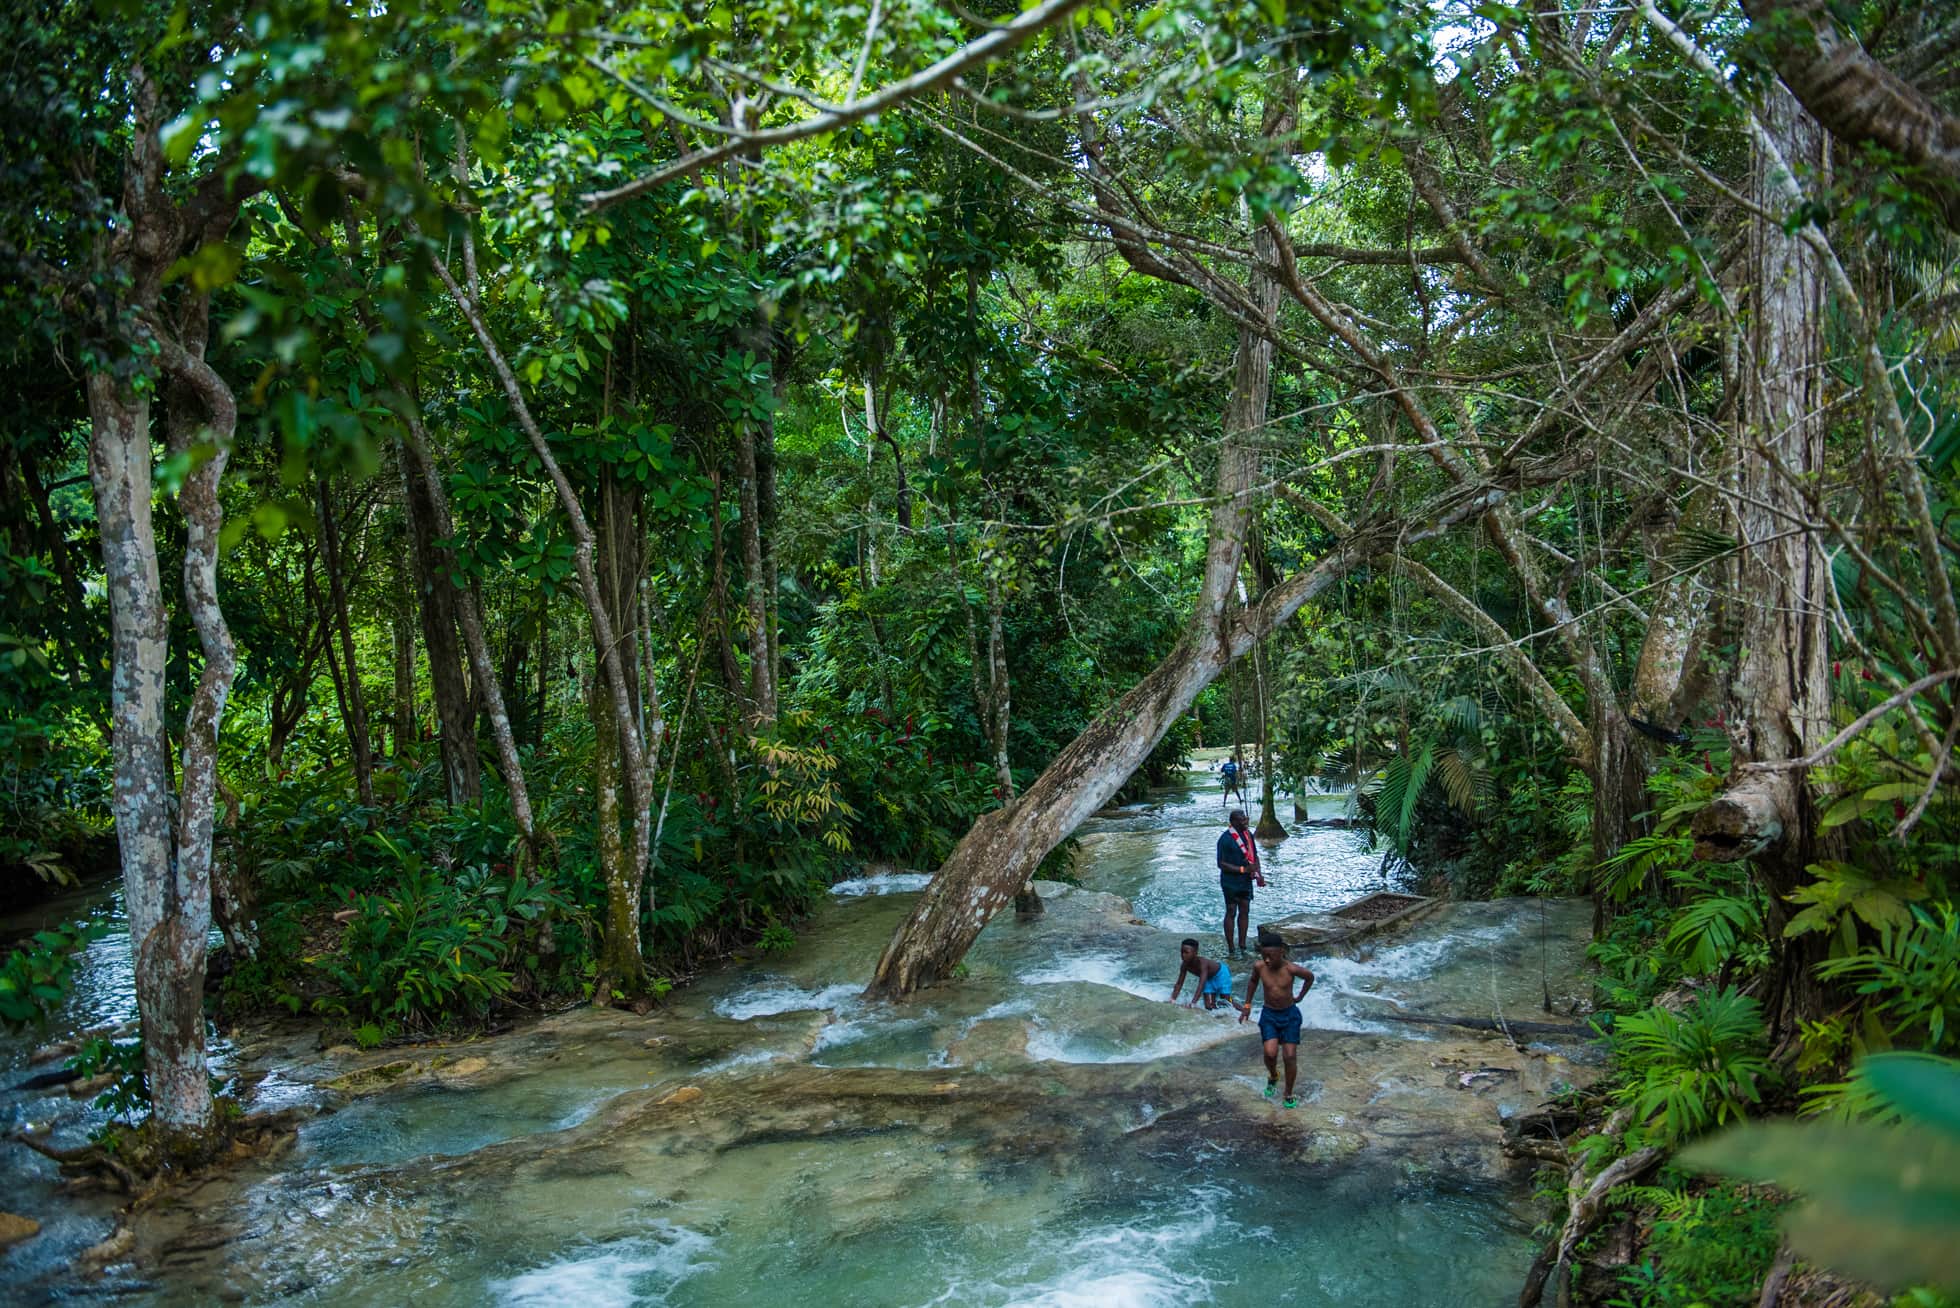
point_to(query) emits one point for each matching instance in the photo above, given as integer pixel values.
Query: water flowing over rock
(1047, 1130)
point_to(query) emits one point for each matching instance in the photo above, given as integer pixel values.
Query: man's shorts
(1238, 890)
(1220, 983)
(1281, 1024)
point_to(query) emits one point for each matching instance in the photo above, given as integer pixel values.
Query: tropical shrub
(1686, 1072)
(435, 946)
(1710, 1247)
(1910, 977)
(36, 976)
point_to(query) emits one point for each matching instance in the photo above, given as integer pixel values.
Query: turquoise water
(1048, 1131)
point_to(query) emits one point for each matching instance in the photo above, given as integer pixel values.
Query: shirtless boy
(1279, 1015)
(1211, 980)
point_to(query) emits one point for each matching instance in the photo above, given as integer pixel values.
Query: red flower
(1837, 668)
(1707, 763)
(1865, 674)
(1898, 810)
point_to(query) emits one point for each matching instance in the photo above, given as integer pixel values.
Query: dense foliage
(499, 508)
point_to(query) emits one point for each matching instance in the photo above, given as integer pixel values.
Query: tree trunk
(544, 666)
(999, 855)
(731, 671)
(404, 624)
(1861, 100)
(353, 698)
(435, 570)
(1780, 696)
(1269, 827)
(618, 525)
(998, 711)
(606, 642)
(168, 916)
(620, 965)
(182, 1058)
(755, 572)
(468, 617)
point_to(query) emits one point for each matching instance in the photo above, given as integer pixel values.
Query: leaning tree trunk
(1780, 695)
(619, 686)
(1000, 854)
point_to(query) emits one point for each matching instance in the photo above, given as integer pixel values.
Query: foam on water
(1098, 969)
(881, 883)
(1051, 1046)
(772, 997)
(1152, 1264)
(617, 1274)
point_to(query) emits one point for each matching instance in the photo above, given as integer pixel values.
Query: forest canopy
(503, 505)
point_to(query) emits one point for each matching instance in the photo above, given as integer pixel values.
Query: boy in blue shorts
(1211, 979)
(1279, 1016)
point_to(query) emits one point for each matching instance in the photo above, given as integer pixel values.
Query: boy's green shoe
(1271, 1088)
(1291, 1103)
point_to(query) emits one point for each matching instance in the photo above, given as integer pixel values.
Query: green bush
(1911, 977)
(1710, 1249)
(36, 976)
(1691, 1070)
(433, 947)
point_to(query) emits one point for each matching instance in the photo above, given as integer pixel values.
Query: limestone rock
(687, 1094)
(14, 1229)
(464, 1067)
(112, 1250)
(367, 1080)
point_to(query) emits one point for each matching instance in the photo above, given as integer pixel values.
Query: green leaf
(179, 137)
(1922, 1086)
(1882, 1203)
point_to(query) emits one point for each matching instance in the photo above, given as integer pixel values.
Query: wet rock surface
(1048, 1130)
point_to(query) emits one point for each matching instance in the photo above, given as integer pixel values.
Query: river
(1045, 1131)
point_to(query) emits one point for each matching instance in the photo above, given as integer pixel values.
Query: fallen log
(1492, 1024)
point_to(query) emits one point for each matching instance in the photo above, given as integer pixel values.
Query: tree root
(144, 1168)
(88, 1161)
(1554, 1262)
(1779, 1274)
(1505, 1027)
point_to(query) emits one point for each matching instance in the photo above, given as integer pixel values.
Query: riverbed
(1047, 1130)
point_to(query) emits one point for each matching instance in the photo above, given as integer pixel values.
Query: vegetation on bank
(499, 508)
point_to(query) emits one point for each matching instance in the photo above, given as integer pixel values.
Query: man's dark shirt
(1238, 877)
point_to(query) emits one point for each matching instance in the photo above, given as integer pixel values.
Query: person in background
(1229, 770)
(1238, 872)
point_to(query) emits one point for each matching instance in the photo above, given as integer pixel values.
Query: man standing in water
(1229, 770)
(1279, 1013)
(1238, 872)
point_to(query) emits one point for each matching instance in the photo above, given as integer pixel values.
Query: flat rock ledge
(1367, 916)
